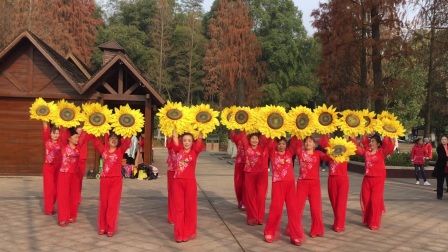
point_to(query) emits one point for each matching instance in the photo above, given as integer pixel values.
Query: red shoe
(50, 213)
(72, 220)
(373, 228)
(101, 232)
(243, 208)
(338, 230)
(110, 234)
(268, 238)
(62, 223)
(296, 242)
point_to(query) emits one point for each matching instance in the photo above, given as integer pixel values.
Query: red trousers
(238, 179)
(109, 205)
(185, 194)
(68, 193)
(338, 194)
(310, 188)
(50, 180)
(284, 192)
(255, 187)
(82, 171)
(171, 206)
(372, 200)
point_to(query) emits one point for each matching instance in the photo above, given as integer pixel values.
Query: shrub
(395, 159)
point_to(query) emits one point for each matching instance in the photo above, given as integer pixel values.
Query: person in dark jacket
(441, 166)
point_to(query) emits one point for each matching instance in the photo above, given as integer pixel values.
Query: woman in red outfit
(255, 177)
(171, 162)
(308, 184)
(52, 162)
(240, 162)
(184, 186)
(111, 182)
(68, 179)
(82, 160)
(283, 191)
(372, 189)
(418, 155)
(338, 187)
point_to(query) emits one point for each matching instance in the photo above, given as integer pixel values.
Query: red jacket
(374, 162)
(111, 160)
(236, 138)
(428, 148)
(186, 161)
(418, 154)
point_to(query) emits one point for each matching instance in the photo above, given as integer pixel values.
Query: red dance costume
(338, 187)
(185, 191)
(240, 162)
(111, 183)
(428, 148)
(82, 161)
(255, 180)
(171, 162)
(372, 190)
(308, 186)
(283, 191)
(50, 169)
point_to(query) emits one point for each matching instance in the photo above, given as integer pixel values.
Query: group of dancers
(254, 153)
(64, 169)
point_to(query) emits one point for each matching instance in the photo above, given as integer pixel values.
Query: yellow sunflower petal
(370, 121)
(272, 121)
(97, 120)
(205, 118)
(352, 123)
(301, 122)
(387, 115)
(174, 116)
(340, 149)
(390, 128)
(42, 110)
(127, 122)
(326, 119)
(226, 115)
(68, 114)
(243, 119)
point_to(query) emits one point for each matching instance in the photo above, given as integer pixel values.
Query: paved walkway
(414, 221)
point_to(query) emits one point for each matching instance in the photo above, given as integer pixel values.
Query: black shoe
(439, 198)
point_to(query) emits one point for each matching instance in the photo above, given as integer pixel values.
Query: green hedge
(395, 159)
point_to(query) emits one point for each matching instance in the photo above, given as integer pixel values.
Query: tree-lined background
(365, 54)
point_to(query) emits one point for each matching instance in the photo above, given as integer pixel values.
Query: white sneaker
(417, 183)
(426, 183)
(323, 169)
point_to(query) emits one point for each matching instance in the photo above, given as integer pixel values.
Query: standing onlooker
(418, 155)
(428, 147)
(441, 166)
(372, 189)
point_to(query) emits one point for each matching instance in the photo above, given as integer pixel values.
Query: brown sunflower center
(42, 110)
(126, 120)
(325, 119)
(174, 114)
(241, 117)
(203, 117)
(67, 114)
(229, 115)
(338, 150)
(390, 128)
(97, 119)
(302, 121)
(275, 121)
(352, 121)
(368, 121)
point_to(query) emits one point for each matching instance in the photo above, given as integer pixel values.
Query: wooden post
(120, 79)
(148, 131)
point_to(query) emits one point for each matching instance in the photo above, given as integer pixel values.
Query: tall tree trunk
(363, 63)
(376, 60)
(190, 63)
(430, 83)
(240, 88)
(161, 50)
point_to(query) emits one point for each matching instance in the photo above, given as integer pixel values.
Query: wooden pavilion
(29, 68)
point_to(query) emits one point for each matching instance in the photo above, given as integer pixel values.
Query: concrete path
(414, 220)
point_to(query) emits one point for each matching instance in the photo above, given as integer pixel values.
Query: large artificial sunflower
(301, 122)
(390, 128)
(205, 118)
(173, 116)
(243, 119)
(42, 110)
(190, 129)
(340, 149)
(68, 114)
(352, 123)
(272, 121)
(327, 119)
(97, 119)
(127, 122)
(226, 115)
(370, 121)
(387, 115)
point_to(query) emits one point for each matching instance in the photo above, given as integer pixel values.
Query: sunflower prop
(272, 121)
(126, 121)
(174, 116)
(97, 119)
(326, 119)
(352, 123)
(370, 121)
(226, 115)
(390, 128)
(205, 118)
(190, 129)
(386, 115)
(243, 119)
(42, 110)
(301, 122)
(340, 150)
(68, 114)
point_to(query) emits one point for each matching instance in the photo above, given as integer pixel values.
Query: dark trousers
(440, 179)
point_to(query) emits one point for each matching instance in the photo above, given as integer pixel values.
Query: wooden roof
(111, 44)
